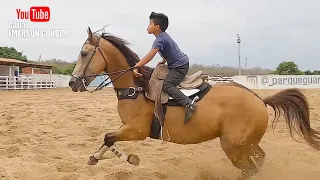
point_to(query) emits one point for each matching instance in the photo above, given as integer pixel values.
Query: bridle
(102, 84)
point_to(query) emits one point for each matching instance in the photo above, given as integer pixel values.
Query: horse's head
(110, 54)
(91, 61)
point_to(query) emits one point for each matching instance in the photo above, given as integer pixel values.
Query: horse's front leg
(125, 133)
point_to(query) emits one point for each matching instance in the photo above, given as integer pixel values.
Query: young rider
(178, 62)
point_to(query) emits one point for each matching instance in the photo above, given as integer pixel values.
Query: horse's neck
(129, 109)
(118, 63)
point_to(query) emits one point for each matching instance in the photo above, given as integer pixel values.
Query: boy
(178, 62)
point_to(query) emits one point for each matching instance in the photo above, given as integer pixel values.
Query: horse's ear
(89, 34)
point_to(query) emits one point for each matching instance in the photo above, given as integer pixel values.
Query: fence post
(7, 82)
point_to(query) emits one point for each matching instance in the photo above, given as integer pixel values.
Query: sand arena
(49, 134)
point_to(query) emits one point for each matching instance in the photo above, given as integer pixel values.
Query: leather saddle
(160, 73)
(156, 94)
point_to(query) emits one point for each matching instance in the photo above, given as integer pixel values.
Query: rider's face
(152, 29)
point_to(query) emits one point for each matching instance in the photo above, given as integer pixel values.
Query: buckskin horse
(229, 111)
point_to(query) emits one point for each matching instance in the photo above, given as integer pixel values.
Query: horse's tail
(294, 106)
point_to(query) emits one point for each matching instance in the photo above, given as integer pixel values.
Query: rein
(102, 84)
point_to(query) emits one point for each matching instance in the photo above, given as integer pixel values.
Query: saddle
(156, 94)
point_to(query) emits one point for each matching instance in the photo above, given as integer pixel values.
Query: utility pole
(245, 66)
(239, 41)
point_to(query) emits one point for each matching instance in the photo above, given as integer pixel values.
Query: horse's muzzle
(74, 84)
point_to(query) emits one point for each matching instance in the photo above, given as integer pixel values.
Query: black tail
(294, 106)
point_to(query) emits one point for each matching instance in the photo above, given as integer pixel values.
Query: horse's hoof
(92, 160)
(134, 159)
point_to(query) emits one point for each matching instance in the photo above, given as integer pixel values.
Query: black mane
(131, 57)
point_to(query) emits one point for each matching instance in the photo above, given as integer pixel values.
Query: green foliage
(316, 72)
(12, 53)
(308, 72)
(288, 68)
(59, 66)
(67, 70)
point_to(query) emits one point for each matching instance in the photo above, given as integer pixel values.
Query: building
(15, 74)
(12, 67)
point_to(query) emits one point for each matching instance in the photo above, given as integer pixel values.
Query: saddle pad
(191, 85)
(192, 77)
(188, 92)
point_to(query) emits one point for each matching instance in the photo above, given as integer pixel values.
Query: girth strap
(128, 93)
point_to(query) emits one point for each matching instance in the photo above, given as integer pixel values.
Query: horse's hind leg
(239, 155)
(258, 155)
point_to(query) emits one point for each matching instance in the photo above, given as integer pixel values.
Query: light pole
(239, 41)
(245, 66)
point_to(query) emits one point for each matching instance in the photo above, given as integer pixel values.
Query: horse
(230, 111)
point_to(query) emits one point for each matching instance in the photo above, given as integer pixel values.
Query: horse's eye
(83, 53)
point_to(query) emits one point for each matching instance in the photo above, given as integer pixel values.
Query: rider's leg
(173, 79)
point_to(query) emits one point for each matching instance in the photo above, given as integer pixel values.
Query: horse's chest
(126, 111)
(123, 114)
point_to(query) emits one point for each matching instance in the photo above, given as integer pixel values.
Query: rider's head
(158, 23)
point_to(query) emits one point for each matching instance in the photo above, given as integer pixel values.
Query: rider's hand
(136, 72)
(161, 62)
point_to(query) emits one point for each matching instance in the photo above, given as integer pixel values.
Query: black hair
(160, 19)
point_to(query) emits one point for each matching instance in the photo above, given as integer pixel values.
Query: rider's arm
(156, 46)
(147, 58)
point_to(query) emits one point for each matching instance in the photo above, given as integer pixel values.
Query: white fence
(41, 81)
(218, 79)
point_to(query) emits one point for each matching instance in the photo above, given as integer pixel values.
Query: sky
(271, 31)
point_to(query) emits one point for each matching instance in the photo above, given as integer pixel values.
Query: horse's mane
(131, 57)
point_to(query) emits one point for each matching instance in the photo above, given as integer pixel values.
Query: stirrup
(192, 103)
(190, 108)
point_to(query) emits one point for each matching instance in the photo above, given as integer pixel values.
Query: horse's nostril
(71, 83)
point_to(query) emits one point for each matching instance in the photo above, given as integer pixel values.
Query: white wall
(63, 80)
(251, 81)
(279, 81)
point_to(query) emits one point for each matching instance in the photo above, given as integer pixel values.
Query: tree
(12, 53)
(316, 72)
(68, 70)
(56, 70)
(308, 72)
(288, 68)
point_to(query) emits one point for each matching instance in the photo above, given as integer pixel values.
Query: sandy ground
(49, 134)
